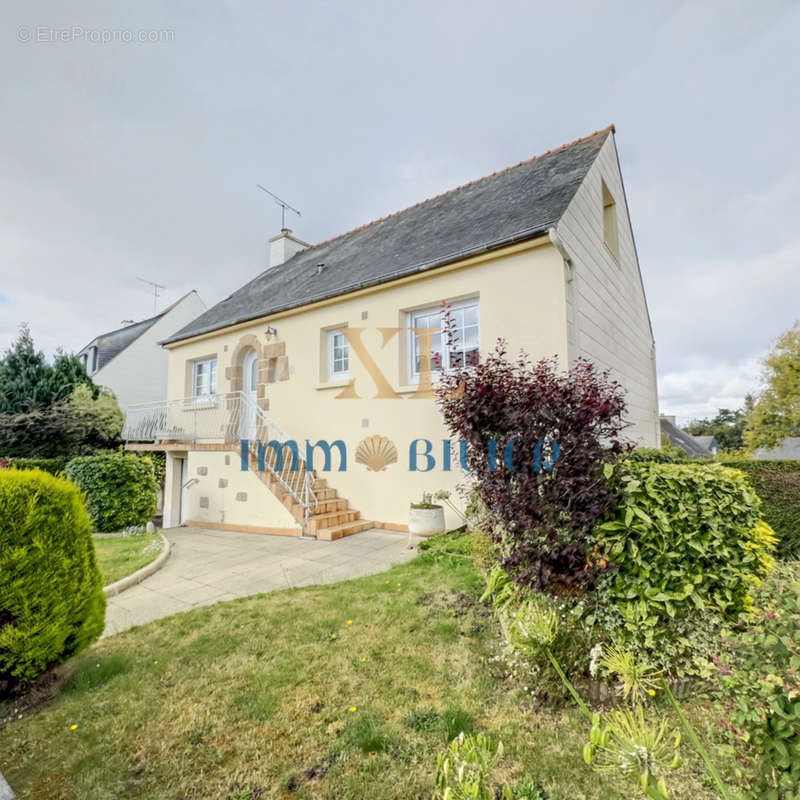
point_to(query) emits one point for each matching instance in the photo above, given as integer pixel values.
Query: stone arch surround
(273, 365)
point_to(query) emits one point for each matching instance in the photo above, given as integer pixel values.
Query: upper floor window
(338, 356)
(610, 230)
(204, 378)
(463, 351)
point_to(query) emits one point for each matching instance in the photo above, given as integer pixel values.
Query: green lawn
(343, 692)
(120, 557)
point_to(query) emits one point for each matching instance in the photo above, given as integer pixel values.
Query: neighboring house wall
(606, 305)
(521, 297)
(789, 448)
(139, 372)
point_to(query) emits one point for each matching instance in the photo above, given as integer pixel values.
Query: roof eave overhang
(524, 241)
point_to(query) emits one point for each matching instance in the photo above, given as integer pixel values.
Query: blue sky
(128, 160)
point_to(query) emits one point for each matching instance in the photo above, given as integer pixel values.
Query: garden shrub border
(777, 483)
(685, 539)
(53, 466)
(120, 488)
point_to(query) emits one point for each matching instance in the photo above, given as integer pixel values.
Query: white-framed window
(89, 359)
(204, 378)
(338, 356)
(463, 351)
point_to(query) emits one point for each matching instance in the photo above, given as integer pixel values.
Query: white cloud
(701, 390)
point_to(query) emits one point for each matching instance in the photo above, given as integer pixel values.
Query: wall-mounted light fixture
(270, 332)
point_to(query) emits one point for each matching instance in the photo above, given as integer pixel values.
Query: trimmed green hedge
(51, 592)
(55, 466)
(120, 488)
(684, 539)
(777, 483)
(658, 455)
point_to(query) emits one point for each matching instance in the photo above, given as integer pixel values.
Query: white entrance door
(249, 383)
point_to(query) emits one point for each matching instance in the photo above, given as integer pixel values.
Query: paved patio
(209, 566)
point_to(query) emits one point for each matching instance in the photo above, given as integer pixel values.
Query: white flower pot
(426, 521)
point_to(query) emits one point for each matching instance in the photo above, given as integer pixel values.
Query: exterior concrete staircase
(331, 518)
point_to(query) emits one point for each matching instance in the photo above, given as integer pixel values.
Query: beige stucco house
(324, 345)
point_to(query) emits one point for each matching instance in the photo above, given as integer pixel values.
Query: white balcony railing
(223, 419)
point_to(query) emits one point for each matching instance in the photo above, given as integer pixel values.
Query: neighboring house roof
(111, 344)
(679, 438)
(707, 442)
(788, 448)
(510, 206)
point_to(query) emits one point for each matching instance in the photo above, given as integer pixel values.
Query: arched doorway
(249, 394)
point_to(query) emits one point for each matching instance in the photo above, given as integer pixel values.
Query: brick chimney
(283, 246)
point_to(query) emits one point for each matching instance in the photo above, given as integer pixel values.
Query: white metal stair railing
(295, 478)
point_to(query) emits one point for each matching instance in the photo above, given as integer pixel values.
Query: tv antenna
(282, 203)
(156, 292)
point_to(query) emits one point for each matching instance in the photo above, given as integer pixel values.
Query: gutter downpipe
(557, 242)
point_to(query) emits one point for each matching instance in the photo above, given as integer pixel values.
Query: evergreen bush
(51, 592)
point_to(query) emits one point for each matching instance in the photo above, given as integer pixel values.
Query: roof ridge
(609, 128)
(155, 317)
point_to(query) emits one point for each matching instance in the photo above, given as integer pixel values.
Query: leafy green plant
(463, 770)
(82, 423)
(683, 539)
(528, 789)
(667, 454)
(759, 671)
(54, 466)
(628, 743)
(500, 589)
(426, 502)
(776, 413)
(553, 431)
(450, 723)
(777, 483)
(120, 488)
(51, 593)
(637, 679)
(570, 645)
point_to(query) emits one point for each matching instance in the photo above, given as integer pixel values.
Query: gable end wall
(606, 306)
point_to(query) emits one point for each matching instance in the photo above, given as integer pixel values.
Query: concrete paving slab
(208, 567)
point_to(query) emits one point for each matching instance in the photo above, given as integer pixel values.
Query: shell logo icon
(376, 453)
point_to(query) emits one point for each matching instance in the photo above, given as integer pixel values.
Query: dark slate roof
(706, 442)
(113, 343)
(679, 438)
(518, 203)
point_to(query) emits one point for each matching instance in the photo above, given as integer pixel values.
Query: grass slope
(343, 691)
(121, 556)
